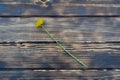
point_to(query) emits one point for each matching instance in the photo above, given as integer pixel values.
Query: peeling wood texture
(59, 75)
(89, 29)
(72, 29)
(50, 56)
(60, 8)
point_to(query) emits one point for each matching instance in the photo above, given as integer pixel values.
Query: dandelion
(40, 24)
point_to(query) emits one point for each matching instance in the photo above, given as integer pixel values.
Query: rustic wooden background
(90, 29)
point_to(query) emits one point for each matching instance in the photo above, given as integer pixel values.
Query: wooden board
(72, 29)
(59, 75)
(50, 56)
(60, 8)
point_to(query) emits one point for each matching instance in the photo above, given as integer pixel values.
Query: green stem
(74, 57)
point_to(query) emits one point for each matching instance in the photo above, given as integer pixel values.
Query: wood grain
(59, 75)
(27, 53)
(72, 29)
(50, 56)
(60, 8)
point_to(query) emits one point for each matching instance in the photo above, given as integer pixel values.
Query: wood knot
(44, 2)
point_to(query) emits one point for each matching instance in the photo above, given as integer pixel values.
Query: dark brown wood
(59, 75)
(72, 29)
(50, 56)
(60, 8)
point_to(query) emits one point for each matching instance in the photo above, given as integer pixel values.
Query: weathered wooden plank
(59, 8)
(59, 75)
(50, 56)
(72, 29)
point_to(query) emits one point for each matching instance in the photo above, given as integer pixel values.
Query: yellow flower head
(39, 23)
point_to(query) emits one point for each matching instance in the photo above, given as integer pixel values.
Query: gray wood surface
(60, 75)
(59, 8)
(72, 29)
(27, 53)
(50, 56)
